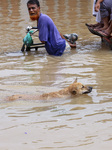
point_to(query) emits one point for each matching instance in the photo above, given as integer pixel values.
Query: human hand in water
(72, 45)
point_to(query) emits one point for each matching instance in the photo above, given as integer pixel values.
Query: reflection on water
(80, 123)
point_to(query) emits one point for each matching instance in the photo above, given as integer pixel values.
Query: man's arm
(71, 45)
(43, 42)
(97, 6)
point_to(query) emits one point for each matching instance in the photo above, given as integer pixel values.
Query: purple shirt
(48, 33)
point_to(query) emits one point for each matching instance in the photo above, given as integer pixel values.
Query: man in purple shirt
(55, 43)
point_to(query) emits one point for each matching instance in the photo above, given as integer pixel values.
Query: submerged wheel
(36, 48)
(23, 48)
(111, 47)
(27, 48)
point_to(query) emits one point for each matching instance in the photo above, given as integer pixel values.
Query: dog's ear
(75, 80)
(72, 90)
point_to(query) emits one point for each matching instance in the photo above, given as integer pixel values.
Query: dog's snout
(90, 88)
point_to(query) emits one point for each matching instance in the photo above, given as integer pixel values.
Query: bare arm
(100, 1)
(71, 45)
(43, 42)
(97, 6)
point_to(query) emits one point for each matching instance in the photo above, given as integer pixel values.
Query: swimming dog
(74, 89)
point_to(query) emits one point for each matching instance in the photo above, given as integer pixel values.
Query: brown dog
(73, 89)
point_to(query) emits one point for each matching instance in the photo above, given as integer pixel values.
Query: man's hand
(97, 6)
(72, 45)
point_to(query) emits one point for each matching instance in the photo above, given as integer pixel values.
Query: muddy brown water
(80, 123)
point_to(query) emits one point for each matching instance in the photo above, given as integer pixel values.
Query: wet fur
(72, 90)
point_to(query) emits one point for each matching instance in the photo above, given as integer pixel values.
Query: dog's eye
(82, 86)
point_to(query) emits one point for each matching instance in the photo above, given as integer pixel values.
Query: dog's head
(79, 88)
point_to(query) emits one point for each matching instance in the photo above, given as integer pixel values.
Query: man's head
(33, 2)
(34, 9)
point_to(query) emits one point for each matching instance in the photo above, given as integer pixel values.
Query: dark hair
(33, 2)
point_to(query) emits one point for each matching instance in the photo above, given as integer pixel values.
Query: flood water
(79, 123)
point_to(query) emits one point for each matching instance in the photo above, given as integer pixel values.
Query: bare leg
(107, 32)
(93, 25)
(109, 29)
(106, 24)
(100, 25)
